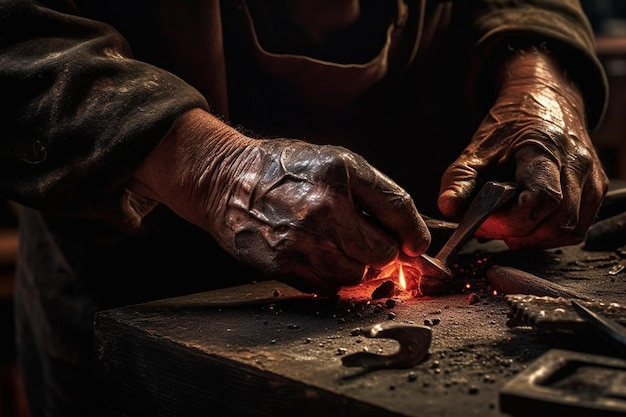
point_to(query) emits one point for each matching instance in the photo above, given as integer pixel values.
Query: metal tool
(509, 280)
(567, 383)
(414, 343)
(556, 315)
(608, 232)
(604, 325)
(435, 271)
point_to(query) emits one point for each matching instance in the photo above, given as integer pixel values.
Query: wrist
(194, 145)
(539, 68)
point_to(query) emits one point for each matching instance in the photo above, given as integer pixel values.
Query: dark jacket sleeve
(558, 26)
(77, 112)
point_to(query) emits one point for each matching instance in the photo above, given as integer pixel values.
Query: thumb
(457, 186)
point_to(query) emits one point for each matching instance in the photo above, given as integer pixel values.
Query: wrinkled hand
(534, 135)
(312, 216)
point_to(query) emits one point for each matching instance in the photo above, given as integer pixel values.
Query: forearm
(82, 113)
(536, 133)
(558, 27)
(171, 170)
(545, 90)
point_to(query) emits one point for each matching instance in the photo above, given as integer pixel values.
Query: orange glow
(401, 271)
(401, 278)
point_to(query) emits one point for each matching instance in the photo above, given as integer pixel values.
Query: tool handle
(491, 196)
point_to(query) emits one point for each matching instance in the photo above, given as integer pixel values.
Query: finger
(362, 239)
(594, 190)
(458, 185)
(318, 266)
(391, 210)
(564, 226)
(372, 243)
(538, 178)
(332, 218)
(367, 213)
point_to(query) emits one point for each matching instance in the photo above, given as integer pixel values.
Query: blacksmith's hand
(309, 215)
(535, 135)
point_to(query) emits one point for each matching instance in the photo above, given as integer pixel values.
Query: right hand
(313, 216)
(534, 135)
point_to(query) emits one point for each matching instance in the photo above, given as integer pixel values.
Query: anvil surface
(264, 349)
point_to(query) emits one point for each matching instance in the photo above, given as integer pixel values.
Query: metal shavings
(574, 268)
(616, 269)
(599, 258)
(594, 262)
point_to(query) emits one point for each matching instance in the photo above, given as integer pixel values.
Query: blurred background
(608, 18)
(12, 402)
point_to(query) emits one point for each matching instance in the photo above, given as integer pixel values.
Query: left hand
(535, 135)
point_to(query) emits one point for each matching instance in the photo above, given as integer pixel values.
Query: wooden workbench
(266, 350)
